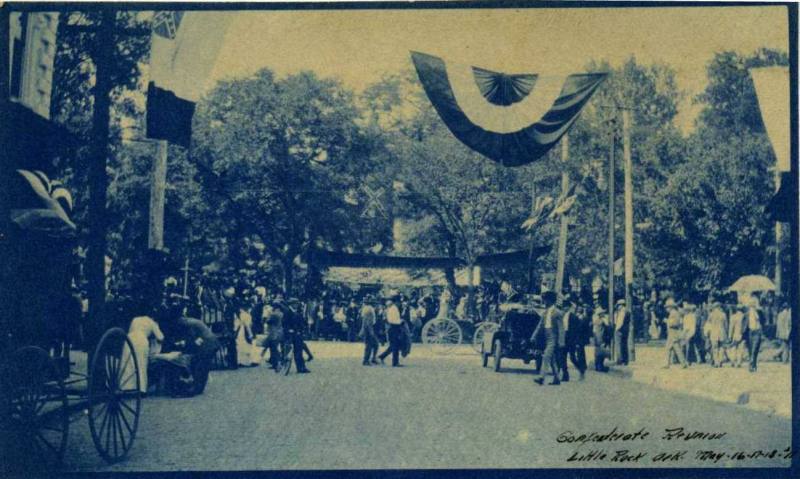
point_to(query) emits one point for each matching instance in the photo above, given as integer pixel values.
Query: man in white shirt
(754, 331)
(395, 323)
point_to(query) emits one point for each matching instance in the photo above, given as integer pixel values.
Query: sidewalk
(768, 390)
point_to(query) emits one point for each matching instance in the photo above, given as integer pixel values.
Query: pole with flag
(183, 50)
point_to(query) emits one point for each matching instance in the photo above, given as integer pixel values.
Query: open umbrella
(751, 283)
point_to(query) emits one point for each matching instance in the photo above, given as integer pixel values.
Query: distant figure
(755, 325)
(783, 332)
(550, 326)
(622, 320)
(691, 351)
(674, 344)
(575, 339)
(371, 342)
(395, 325)
(599, 328)
(736, 334)
(717, 327)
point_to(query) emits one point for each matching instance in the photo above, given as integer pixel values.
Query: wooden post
(611, 221)
(186, 278)
(98, 180)
(778, 237)
(530, 249)
(157, 189)
(628, 164)
(562, 236)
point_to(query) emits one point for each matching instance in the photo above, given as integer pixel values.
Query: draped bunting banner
(511, 119)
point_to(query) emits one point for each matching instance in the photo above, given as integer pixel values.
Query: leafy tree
(286, 152)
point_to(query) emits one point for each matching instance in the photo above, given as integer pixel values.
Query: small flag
(184, 48)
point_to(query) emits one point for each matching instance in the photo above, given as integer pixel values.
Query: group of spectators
(719, 333)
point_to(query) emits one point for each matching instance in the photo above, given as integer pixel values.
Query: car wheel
(498, 355)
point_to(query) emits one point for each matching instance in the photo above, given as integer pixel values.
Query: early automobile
(513, 338)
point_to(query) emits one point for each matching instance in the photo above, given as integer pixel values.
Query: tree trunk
(450, 273)
(470, 306)
(288, 274)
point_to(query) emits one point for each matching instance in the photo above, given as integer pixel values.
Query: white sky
(359, 47)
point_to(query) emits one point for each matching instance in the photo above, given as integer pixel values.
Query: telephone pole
(562, 236)
(611, 220)
(98, 180)
(628, 170)
(157, 190)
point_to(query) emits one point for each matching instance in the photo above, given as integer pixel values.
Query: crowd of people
(721, 332)
(255, 323)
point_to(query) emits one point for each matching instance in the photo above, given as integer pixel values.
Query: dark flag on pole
(511, 119)
(184, 47)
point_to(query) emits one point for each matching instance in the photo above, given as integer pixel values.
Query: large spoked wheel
(443, 334)
(115, 399)
(481, 331)
(35, 418)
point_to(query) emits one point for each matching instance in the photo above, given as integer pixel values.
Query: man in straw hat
(622, 327)
(550, 325)
(395, 324)
(674, 330)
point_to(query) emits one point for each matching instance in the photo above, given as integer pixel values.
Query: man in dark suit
(575, 339)
(550, 325)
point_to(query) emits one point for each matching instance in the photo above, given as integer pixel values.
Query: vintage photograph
(270, 237)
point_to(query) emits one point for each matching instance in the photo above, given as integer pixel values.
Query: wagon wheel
(115, 400)
(443, 333)
(34, 409)
(484, 328)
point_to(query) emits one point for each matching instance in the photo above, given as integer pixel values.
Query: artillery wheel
(484, 328)
(442, 333)
(35, 417)
(115, 399)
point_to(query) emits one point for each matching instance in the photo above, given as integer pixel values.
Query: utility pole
(611, 221)
(628, 170)
(157, 190)
(98, 181)
(562, 235)
(530, 250)
(778, 237)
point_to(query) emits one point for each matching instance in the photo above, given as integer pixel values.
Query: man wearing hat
(621, 328)
(574, 340)
(690, 332)
(395, 323)
(717, 332)
(371, 342)
(599, 329)
(736, 333)
(674, 328)
(550, 325)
